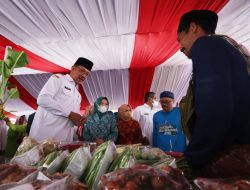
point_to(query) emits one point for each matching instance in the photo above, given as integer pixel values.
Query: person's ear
(193, 27)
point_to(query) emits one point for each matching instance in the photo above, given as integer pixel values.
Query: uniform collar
(69, 78)
(147, 106)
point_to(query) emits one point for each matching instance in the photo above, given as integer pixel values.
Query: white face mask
(103, 109)
(155, 103)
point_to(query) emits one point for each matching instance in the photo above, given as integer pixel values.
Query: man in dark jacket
(221, 90)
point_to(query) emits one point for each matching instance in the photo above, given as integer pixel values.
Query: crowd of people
(215, 116)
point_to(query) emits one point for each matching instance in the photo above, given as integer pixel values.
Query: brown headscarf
(124, 112)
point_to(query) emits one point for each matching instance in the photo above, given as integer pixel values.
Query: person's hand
(99, 141)
(79, 132)
(76, 118)
(83, 119)
(89, 110)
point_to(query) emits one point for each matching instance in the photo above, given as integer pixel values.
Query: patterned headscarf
(98, 103)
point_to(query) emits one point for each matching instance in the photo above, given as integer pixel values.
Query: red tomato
(112, 186)
(157, 182)
(130, 185)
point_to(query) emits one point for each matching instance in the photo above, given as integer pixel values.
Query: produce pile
(222, 184)
(99, 164)
(80, 166)
(80, 161)
(144, 177)
(13, 173)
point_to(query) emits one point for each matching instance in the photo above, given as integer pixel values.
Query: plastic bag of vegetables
(144, 177)
(27, 144)
(44, 163)
(148, 155)
(98, 165)
(28, 158)
(48, 146)
(55, 165)
(165, 162)
(76, 162)
(123, 159)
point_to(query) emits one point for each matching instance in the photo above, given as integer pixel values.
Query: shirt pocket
(67, 91)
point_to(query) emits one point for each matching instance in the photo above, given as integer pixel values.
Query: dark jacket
(221, 98)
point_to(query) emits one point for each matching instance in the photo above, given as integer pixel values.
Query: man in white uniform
(59, 104)
(144, 114)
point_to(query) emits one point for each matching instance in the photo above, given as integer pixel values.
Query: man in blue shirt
(167, 131)
(220, 132)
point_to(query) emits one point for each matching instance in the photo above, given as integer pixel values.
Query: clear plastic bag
(144, 177)
(27, 144)
(28, 158)
(12, 175)
(78, 162)
(55, 165)
(223, 184)
(98, 165)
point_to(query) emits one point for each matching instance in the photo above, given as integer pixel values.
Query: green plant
(13, 59)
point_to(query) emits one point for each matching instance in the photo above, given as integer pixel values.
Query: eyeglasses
(165, 102)
(83, 71)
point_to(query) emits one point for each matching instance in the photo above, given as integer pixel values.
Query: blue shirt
(167, 131)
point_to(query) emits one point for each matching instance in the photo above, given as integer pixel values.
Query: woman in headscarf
(101, 125)
(15, 135)
(129, 129)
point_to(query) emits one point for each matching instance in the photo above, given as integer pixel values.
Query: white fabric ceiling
(104, 32)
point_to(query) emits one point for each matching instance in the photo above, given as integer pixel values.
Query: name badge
(67, 88)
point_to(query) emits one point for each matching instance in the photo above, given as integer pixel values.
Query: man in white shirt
(144, 114)
(59, 104)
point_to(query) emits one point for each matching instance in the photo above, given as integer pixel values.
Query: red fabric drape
(24, 94)
(8, 114)
(155, 39)
(85, 101)
(36, 62)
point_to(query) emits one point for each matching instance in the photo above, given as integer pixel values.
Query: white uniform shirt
(144, 115)
(57, 99)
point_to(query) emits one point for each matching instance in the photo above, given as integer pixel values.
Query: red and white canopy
(131, 42)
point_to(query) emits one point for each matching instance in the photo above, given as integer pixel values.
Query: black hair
(205, 18)
(148, 95)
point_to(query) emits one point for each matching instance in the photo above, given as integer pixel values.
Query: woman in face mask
(101, 125)
(129, 129)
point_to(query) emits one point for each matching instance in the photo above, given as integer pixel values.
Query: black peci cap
(81, 61)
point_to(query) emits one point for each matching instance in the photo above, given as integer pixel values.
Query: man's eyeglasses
(164, 103)
(83, 71)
